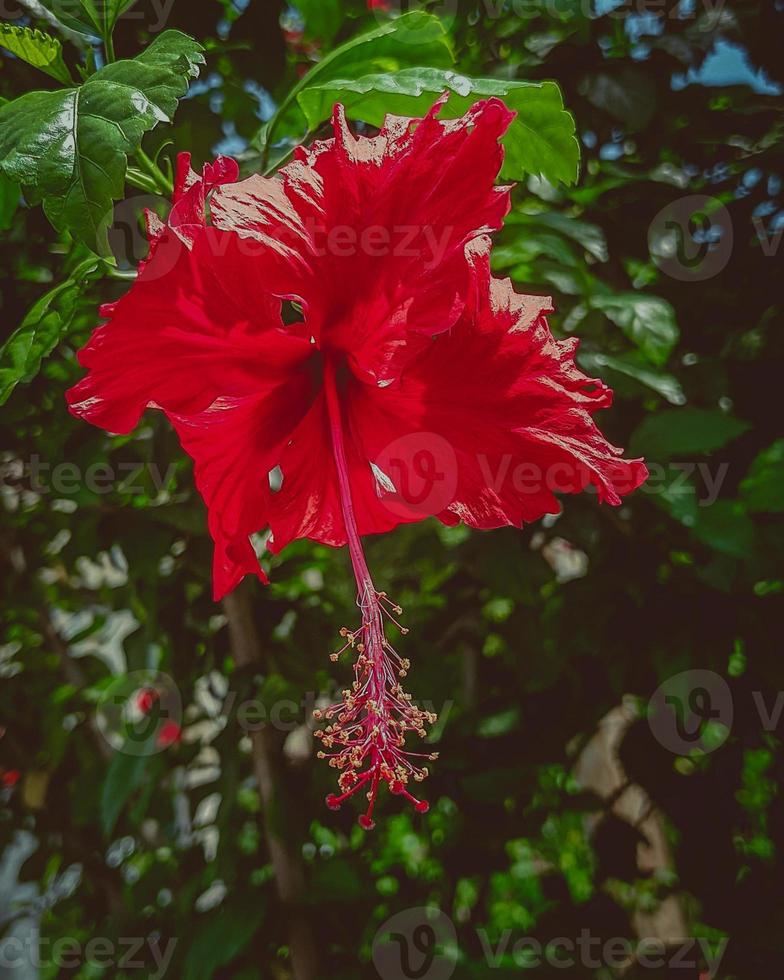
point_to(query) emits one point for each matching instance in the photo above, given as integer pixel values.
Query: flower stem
(358, 562)
(137, 178)
(160, 181)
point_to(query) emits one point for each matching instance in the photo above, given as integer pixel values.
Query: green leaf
(677, 496)
(323, 18)
(336, 880)
(41, 330)
(70, 146)
(726, 527)
(93, 18)
(540, 141)
(648, 321)
(499, 724)
(532, 244)
(762, 488)
(122, 778)
(9, 201)
(74, 15)
(520, 257)
(684, 432)
(666, 385)
(113, 10)
(409, 40)
(221, 937)
(37, 49)
(589, 236)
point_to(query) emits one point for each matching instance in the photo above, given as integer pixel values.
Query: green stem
(129, 275)
(138, 179)
(108, 43)
(154, 172)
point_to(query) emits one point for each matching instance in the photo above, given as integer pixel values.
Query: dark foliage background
(524, 640)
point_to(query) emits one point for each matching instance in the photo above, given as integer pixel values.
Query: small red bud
(145, 699)
(169, 734)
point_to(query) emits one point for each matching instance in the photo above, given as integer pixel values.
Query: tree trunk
(286, 861)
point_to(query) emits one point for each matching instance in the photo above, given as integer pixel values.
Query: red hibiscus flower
(10, 778)
(339, 322)
(169, 734)
(145, 699)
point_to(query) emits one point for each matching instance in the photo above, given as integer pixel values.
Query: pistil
(366, 731)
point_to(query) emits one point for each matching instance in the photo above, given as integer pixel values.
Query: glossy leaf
(93, 18)
(221, 939)
(589, 236)
(41, 330)
(412, 39)
(113, 10)
(629, 365)
(648, 321)
(74, 15)
(540, 141)
(71, 145)
(124, 776)
(726, 527)
(685, 431)
(9, 201)
(678, 497)
(532, 244)
(322, 18)
(37, 48)
(763, 487)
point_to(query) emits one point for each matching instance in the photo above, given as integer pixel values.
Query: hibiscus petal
(308, 504)
(492, 420)
(199, 336)
(370, 233)
(185, 334)
(234, 444)
(281, 213)
(188, 213)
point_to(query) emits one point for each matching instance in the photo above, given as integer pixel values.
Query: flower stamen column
(368, 728)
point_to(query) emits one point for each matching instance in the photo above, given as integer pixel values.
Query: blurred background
(609, 682)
